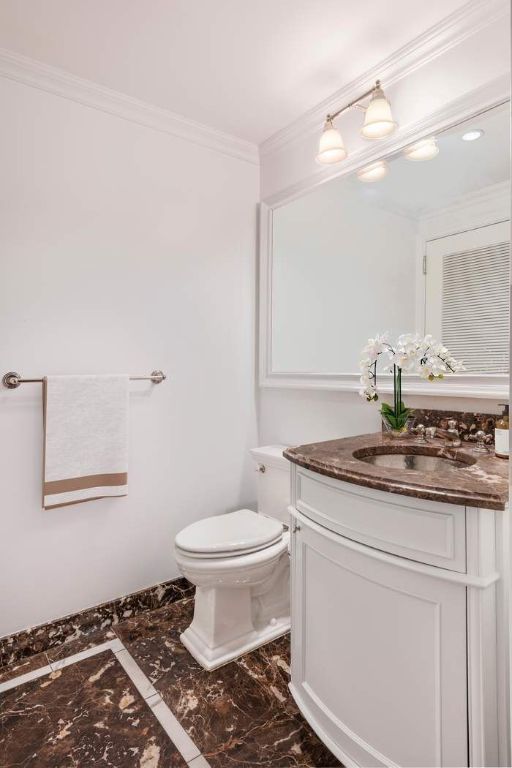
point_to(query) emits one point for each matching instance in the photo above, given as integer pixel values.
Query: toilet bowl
(239, 564)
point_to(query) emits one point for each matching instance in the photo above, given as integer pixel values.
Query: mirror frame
(490, 386)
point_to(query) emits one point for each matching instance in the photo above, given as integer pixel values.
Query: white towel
(85, 438)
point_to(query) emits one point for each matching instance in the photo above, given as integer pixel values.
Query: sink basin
(419, 461)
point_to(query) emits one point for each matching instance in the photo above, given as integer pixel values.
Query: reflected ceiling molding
(482, 204)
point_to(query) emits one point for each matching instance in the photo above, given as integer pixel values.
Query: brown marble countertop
(481, 482)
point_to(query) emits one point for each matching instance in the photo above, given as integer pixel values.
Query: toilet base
(210, 658)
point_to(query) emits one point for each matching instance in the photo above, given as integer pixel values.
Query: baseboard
(28, 642)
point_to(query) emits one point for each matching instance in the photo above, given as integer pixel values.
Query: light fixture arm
(355, 103)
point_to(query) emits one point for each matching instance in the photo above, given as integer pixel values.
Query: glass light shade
(374, 172)
(422, 150)
(378, 120)
(331, 148)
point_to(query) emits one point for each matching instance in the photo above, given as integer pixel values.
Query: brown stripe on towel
(82, 501)
(88, 481)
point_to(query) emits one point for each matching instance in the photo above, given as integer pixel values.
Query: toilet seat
(230, 535)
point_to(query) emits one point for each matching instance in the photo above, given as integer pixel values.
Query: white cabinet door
(376, 648)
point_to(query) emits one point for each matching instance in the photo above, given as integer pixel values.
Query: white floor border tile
(180, 738)
(26, 678)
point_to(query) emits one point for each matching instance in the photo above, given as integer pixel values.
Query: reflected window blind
(475, 300)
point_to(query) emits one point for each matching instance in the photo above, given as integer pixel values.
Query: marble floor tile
(241, 714)
(270, 665)
(154, 642)
(85, 715)
(199, 762)
(137, 676)
(217, 708)
(82, 643)
(169, 620)
(29, 664)
(111, 645)
(172, 727)
(278, 742)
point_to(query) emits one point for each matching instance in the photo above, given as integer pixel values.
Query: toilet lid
(230, 534)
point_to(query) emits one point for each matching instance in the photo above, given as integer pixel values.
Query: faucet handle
(452, 433)
(431, 432)
(480, 442)
(420, 433)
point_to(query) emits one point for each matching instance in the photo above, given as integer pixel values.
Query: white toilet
(239, 565)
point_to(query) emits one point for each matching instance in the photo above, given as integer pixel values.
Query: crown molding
(490, 196)
(58, 82)
(448, 33)
(493, 94)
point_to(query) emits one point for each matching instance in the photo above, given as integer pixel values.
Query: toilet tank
(273, 481)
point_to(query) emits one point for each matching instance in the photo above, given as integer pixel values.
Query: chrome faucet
(451, 435)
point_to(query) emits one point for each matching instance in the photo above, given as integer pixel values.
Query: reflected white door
(467, 295)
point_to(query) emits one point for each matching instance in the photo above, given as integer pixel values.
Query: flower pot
(395, 433)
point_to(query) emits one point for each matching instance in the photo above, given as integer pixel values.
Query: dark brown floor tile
(153, 640)
(241, 714)
(168, 620)
(279, 742)
(22, 667)
(270, 665)
(82, 643)
(163, 658)
(85, 715)
(217, 708)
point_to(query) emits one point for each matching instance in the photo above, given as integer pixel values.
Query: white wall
(123, 249)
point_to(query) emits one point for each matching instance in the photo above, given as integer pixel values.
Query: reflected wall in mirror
(425, 247)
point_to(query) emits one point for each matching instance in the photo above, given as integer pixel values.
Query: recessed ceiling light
(422, 150)
(373, 172)
(472, 135)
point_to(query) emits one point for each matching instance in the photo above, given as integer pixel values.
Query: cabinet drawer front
(425, 531)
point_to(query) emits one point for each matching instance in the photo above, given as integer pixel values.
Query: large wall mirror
(425, 247)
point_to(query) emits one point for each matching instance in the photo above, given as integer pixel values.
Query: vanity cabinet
(395, 649)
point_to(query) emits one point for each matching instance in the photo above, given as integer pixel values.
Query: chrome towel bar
(12, 380)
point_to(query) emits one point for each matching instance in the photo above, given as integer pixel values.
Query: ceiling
(245, 67)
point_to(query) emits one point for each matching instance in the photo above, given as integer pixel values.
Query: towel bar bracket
(12, 380)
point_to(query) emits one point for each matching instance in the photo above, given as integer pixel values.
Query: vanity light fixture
(331, 148)
(473, 135)
(378, 122)
(374, 172)
(425, 149)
